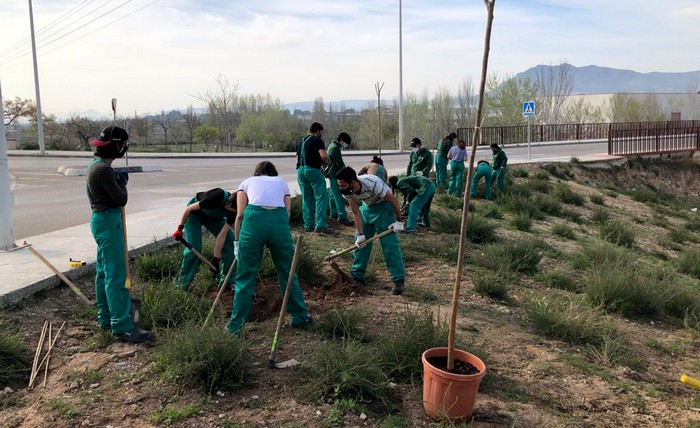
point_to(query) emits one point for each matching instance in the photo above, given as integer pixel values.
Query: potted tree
(451, 376)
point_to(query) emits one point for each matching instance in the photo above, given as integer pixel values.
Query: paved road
(46, 201)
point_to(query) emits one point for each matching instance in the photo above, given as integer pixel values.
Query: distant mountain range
(593, 79)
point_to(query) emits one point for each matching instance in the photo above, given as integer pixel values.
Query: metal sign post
(529, 111)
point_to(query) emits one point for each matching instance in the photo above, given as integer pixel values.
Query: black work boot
(135, 335)
(398, 288)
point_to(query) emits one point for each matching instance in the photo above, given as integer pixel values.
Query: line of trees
(237, 121)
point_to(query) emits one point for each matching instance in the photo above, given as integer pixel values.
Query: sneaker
(136, 335)
(346, 222)
(306, 322)
(407, 231)
(398, 288)
(326, 231)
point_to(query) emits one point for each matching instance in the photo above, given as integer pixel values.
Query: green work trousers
(193, 235)
(113, 299)
(441, 171)
(263, 227)
(482, 171)
(420, 205)
(376, 219)
(499, 176)
(337, 202)
(314, 197)
(456, 178)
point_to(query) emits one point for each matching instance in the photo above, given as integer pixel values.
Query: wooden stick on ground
(37, 353)
(50, 348)
(46, 367)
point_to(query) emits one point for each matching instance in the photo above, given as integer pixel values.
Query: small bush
(15, 356)
(446, 221)
(520, 204)
(541, 175)
(617, 233)
(623, 288)
(164, 306)
(204, 358)
(341, 323)
(597, 199)
(520, 173)
(480, 230)
(158, 265)
(448, 201)
(689, 263)
(560, 280)
(296, 213)
(693, 224)
(600, 215)
(515, 255)
(404, 343)
(563, 192)
(548, 205)
(489, 211)
(540, 185)
(567, 319)
(171, 415)
(522, 222)
(564, 231)
(601, 253)
(678, 235)
(491, 283)
(350, 370)
(644, 196)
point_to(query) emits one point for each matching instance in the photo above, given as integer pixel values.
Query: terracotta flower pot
(448, 395)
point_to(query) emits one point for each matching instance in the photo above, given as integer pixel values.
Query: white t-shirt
(265, 191)
(372, 190)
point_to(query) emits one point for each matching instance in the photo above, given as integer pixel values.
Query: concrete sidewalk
(22, 274)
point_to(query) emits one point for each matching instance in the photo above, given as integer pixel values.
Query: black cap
(415, 142)
(111, 134)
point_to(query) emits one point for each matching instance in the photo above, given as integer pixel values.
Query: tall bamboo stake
(465, 206)
(37, 354)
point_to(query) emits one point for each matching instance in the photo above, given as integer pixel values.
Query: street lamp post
(400, 80)
(7, 240)
(39, 117)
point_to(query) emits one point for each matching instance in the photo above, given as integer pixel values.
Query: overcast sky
(166, 51)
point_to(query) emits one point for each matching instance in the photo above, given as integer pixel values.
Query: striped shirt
(372, 190)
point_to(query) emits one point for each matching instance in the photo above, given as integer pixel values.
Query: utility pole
(7, 240)
(39, 116)
(378, 90)
(400, 81)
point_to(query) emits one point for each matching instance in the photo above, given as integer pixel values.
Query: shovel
(199, 255)
(221, 290)
(135, 303)
(271, 362)
(334, 265)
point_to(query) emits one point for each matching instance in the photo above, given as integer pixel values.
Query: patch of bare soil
(530, 381)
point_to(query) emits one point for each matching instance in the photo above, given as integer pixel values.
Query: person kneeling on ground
(264, 203)
(419, 192)
(379, 211)
(106, 191)
(483, 169)
(214, 209)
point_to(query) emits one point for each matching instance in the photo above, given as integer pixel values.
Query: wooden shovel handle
(72, 286)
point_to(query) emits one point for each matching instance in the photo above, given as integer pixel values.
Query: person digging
(107, 193)
(214, 209)
(379, 211)
(418, 192)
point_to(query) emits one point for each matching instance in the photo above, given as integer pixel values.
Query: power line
(8, 61)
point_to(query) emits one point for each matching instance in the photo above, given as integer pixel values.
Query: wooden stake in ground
(465, 207)
(39, 346)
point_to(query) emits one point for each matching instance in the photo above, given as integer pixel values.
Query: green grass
(548, 205)
(521, 255)
(480, 230)
(158, 265)
(644, 196)
(15, 356)
(491, 283)
(623, 288)
(522, 222)
(600, 215)
(202, 358)
(171, 415)
(60, 406)
(489, 210)
(565, 194)
(449, 202)
(689, 263)
(165, 306)
(341, 323)
(541, 175)
(594, 254)
(445, 221)
(617, 233)
(563, 230)
(693, 224)
(597, 199)
(296, 214)
(540, 185)
(560, 280)
(520, 173)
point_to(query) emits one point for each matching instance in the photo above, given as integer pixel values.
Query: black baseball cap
(415, 142)
(111, 134)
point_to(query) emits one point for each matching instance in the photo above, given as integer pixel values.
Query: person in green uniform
(335, 162)
(264, 201)
(107, 193)
(311, 157)
(443, 149)
(420, 161)
(483, 169)
(418, 193)
(215, 210)
(379, 211)
(500, 160)
(457, 155)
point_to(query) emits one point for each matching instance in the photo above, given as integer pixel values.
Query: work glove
(359, 240)
(419, 173)
(123, 176)
(235, 249)
(177, 235)
(216, 261)
(397, 226)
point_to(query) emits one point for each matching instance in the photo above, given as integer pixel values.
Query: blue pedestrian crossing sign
(528, 108)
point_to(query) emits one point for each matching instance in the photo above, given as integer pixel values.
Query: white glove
(359, 240)
(419, 173)
(235, 249)
(397, 226)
